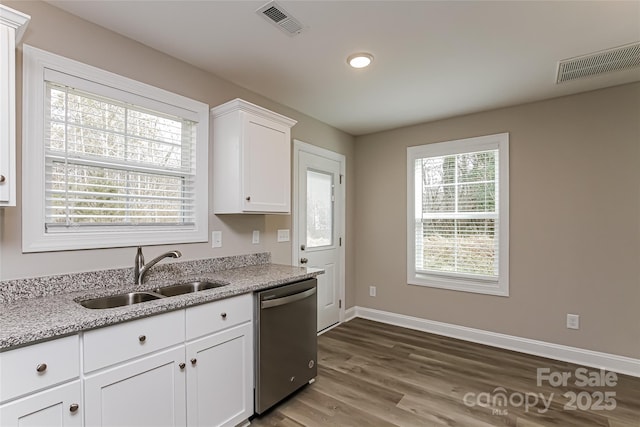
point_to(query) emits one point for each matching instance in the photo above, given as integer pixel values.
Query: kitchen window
(458, 215)
(108, 161)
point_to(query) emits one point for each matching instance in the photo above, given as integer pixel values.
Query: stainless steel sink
(188, 287)
(120, 300)
(131, 298)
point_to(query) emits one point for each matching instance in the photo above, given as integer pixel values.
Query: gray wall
(575, 201)
(574, 213)
(59, 32)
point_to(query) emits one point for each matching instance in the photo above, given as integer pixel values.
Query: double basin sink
(131, 298)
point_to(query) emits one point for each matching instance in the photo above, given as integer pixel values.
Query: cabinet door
(146, 392)
(266, 152)
(56, 407)
(7, 116)
(220, 378)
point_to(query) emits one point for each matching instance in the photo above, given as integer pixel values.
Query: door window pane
(319, 209)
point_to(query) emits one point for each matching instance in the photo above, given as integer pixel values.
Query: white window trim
(34, 238)
(457, 282)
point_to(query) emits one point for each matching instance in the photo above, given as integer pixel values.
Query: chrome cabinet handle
(194, 361)
(182, 365)
(2, 179)
(74, 407)
(142, 338)
(223, 315)
(303, 260)
(41, 367)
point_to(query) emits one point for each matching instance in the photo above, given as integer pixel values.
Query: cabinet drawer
(215, 316)
(28, 369)
(114, 344)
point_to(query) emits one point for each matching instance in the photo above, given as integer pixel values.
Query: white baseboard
(595, 359)
(350, 313)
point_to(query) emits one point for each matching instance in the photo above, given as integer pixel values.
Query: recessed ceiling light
(360, 60)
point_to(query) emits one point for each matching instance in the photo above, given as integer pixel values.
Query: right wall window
(458, 215)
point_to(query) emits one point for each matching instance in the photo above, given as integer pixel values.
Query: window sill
(486, 287)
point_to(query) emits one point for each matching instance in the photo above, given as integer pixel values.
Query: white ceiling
(433, 59)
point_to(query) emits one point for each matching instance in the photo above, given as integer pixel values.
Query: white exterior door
(320, 224)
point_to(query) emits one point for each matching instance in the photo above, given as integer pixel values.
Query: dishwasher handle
(288, 299)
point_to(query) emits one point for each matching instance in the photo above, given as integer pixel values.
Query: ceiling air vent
(275, 14)
(605, 61)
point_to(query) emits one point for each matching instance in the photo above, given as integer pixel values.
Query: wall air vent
(605, 61)
(276, 15)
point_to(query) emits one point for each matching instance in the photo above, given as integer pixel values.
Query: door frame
(300, 146)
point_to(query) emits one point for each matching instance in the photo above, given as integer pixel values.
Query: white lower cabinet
(146, 392)
(220, 378)
(191, 367)
(57, 407)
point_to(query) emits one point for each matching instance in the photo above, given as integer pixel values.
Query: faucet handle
(138, 264)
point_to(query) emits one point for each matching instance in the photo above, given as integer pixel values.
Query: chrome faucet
(140, 268)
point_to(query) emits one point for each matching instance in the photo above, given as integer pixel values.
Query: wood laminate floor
(373, 374)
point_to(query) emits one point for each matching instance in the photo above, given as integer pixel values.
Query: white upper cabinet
(12, 26)
(251, 159)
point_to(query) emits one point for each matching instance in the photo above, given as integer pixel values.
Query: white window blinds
(112, 163)
(457, 214)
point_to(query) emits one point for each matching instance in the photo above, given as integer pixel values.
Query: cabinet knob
(182, 365)
(194, 361)
(41, 367)
(224, 316)
(303, 260)
(73, 407)
(248, 198)
(2, 179)
(142, 338)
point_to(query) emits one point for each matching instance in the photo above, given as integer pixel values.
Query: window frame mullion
(52, 173)
(483, 230)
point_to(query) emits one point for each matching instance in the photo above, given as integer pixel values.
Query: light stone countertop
(29, 320)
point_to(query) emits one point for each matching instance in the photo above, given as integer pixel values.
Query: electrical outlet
(283, 235)
(216, 239)
(372, 291)
(256, 237)
(573, 321)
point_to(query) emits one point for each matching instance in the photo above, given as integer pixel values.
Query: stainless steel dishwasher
(286, 341)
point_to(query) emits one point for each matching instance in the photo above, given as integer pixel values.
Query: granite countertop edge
(38, 319)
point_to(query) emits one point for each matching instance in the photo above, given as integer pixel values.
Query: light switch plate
(283, 235)
(216, 239)
(256, 237)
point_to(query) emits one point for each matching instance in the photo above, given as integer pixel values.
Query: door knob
(303, 260)
(2, 179)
